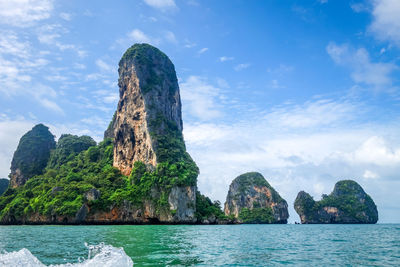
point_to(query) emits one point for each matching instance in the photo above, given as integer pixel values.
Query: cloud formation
(200, 98)
(386, 22)
(24, 13)
(363, 70)
(241, 66)
(161, 4)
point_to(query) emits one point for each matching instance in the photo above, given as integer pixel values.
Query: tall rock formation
(348, 203)
(149, 101)
(32, 154)
(251, 199)
(147, 128)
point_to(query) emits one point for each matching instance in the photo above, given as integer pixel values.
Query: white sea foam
(99, 255)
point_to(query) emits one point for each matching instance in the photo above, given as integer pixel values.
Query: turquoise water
(225, 245)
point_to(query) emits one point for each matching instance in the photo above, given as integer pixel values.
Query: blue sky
(305, 92)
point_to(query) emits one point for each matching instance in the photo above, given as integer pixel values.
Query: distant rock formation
(32, 154)
(348, 203)
(149, 100)
(3, 185)
(251, 199)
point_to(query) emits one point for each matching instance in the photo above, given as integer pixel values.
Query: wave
(99, 255)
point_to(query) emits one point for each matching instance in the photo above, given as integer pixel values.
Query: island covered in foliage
(348, 203)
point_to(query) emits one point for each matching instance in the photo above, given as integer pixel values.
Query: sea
(201, 245)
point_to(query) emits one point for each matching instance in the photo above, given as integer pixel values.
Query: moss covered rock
(348, 203)
(251, 199)
(68, 146)
(3, 185)
(32, 155)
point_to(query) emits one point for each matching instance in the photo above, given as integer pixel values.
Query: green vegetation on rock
(3, 185)
(352, 203)
(251, 199)
(68, 146)
(206, 209)
(173, 160)
(32, 154)
(256, 215)
(249, 179)
(71, 179)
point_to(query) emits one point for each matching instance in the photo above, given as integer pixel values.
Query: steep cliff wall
(348, 203)
(252, 199)
(149, 99)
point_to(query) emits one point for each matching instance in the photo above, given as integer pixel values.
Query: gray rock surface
(92, 195)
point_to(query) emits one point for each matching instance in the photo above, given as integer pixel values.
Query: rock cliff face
(348, 203)
(149, 94)
(32, 154)
(252, 200)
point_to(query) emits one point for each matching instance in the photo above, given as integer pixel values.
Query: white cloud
(161, 4)
(18, 65)
(203, 50)
(242, 66)
(170, 37)
(104, 66)
(323, 1)
(386, 22)
(275, 84)
(51, 33)
(370, 175)
(50, 104)
(363, 70)
(10, 44)
(189, 44)
(375, 151)
(138, 36)
(23, 13)
(223, 59)
(200, 98)
(281, 69)
(222, 83)
(317, 113)
(66, 16)
(46, 97)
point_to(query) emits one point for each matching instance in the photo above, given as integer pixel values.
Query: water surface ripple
(224, 245)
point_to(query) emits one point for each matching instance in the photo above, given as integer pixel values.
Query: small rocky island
(348, 203)
(251, 199)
